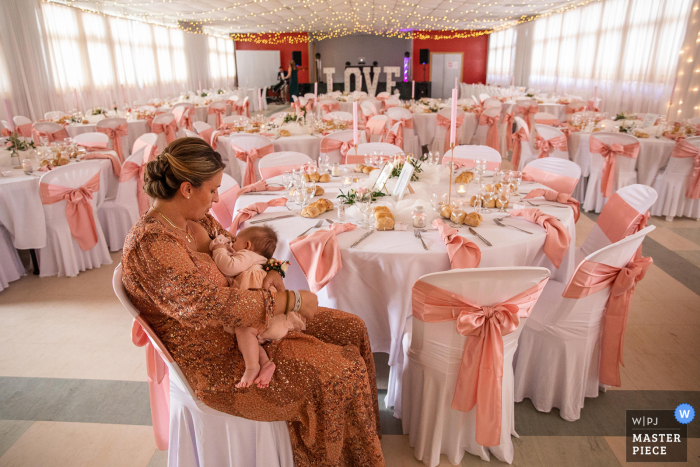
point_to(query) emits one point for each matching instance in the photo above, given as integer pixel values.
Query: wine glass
(486, 197)
(288, 180)
(478, 203)
(324, 163)
(364, 204)
(438, 199)
(515, 178)
(309, 191)
(368, 159)
(504, 197)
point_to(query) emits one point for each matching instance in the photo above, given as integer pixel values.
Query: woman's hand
(309, 304)
(273, 279)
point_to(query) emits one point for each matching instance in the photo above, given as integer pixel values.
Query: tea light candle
(461, 191)
(347, 181)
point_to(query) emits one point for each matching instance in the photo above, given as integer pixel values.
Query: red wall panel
(285, 52)
(475, 51)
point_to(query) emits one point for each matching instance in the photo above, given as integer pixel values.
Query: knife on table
(272, 218)
(362, 238)
(480, 237)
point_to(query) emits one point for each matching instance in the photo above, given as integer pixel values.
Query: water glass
(504, 197)
(486, 197)
(364, 204)
(438, 200)
(324, 163)
(515, 178)
(287, 180)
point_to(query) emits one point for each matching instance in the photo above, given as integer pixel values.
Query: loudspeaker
(424, 56)
(296, 56)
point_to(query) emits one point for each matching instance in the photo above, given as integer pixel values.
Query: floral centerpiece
(220, 91)
(351, 196)
(398, 167)
(98, 111)
(204, 94)
(624, 116)
(16, 144)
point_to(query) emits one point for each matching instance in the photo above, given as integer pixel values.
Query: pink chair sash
(480, 377)
(407, 122)
(252, 209)
(223, 210)
(619, 219)
(220, 112)
(492, 134)
(546, 146)
(115, 135)
(59, 135)
(225, 130)
(462, 253)
(249, 157)
(332, 107)
(184, 117)
(562, 198)
(330, 145)
(375, 127)
(567, 129)
(383, 100)
(610, 154)
(528, 113)
(395, 137)
(556, 182)
(518, 138)
(92, 145)
(445, 122)
(5, 132)
(508, 121)
(240, 110)
(26, 130)
(116, 164)
(591, 277)
(460, 163)
(158, 384)
(590, 105)
(206, 136)
(683, 149)
(170, 129)
(269, 172)
(547, 121)
(130, 170)
(558, 239)
(318, 254)
(81, 219)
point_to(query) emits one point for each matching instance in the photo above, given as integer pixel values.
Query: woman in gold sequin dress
(324, 385)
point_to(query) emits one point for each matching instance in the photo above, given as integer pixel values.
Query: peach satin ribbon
(462, 253)
(115, 135)
(116, 164)
(407, 122)
(130, 170)
(561, 198)
(220, 112)
(252, 209)
(546, 146)
(158, 383)
(683, 149)
(375, 127)
(184, 117)
(445, 122)
(508, 121)
(170, 129)
(334, 107)
(318, 254)
(240, 110)
(558, 239)
(619, 220)
(590, 278)
(518, 138)
(610, 154)
(5, 132)
(81, 219)
(26, 130)
(206, 136)
(556, 182)
(330, 145)
(492, 134)
(269, 172)
(528, 113)
(480, 377)
(249, 157)
(395, 137)
(60, 135)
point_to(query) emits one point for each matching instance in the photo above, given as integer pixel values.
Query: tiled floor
(73, 388)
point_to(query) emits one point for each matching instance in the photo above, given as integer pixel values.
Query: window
(222, 62)
(501, 55)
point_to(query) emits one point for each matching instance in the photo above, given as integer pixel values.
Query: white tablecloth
(376, 278)
(424, 125)
(559, 110)
(137, 128)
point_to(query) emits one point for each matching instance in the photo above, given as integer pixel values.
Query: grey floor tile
(388, 424)
(159, 459)
(10, 431)
(673, 264)
(691, 234)
(583, 451)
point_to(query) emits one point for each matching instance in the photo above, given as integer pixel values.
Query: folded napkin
(551, 195)
(318, 254)
(259, 186)
(558, 238)
(463, 253)
(253, 209)
(116, 163)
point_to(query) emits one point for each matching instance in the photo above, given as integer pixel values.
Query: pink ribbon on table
(480, 378)
(610, 154)
(252, 209)
(240, 109)
(375, 127)
(219, 112)
(330, 107)
(619, 219)
(406, 122)
(26, 130)
(445, 122)
(591, 277)
(518, 138)
(115, 135)
(130, 170)
(330, 145)
(683, 150)
(249, 157)
(546, 146)
(395, 137)
(528, 113)
(170, 130)
(561, 198)
(158, 382)
(59, 135)
(184, 116)
(81, 219)
(492, 134)
(558, 239)
(116, 163)
(462, 253)
(508, 121)
(318, 254)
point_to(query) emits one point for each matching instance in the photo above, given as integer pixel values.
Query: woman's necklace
(187, 235)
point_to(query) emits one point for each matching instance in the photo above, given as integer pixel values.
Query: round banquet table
(559, 110)
(654, 154)
(137, 128)
(376, 276)
(22, 213)
(424, 125)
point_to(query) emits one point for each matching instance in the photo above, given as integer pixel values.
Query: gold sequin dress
(324, 385)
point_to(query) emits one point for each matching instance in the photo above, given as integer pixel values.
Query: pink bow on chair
(375, 127)
(59, 135)
(591, 277)
(558, 239)
(395, 137)
(528, 113)
(332, 107)
(462, 253)
(81, 220)
(492, 134)
(406, 122)
(610, 154)
(252, 209)
(170, 130)
(184, 116)
(546, 146)
(562, 198)
(115, 135)
(219, 112)
(249, 157)
(318, 254)
(479, 381)
(508, 121)
(445, 122)
(129, 171)
(26, 130)
(5, 132)
(116, 164)
(330, 145)
(518, 138)
(683, 150)
(241, 109)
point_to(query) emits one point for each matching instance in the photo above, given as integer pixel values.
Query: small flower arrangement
(98, 111)
(276, 265)
(220, 91)
(187, 97)
(293, 117)
(416, 169)
(16, 144)
(204, 94)
(351, 196)
(624, 116)
(530, 95)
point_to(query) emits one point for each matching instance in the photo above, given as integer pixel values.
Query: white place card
(404, 178)
(649, 120)
(384, 175)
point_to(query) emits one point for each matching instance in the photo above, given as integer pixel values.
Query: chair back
(224, 209)
(20, 120)
(92, 137)
(683, 165)
(163, 119)
(576, 106)
(335, 155)
(546, 118)
(547, 132)
(622, 164)
(560, 175)
(112, 122)
(376, 128)
(127, 196)
(191, 134)
(247, 142)
(55, 114)
(50, 127)
(278, 163)
(465, 155)
(368, 108)
(236, 119)
(491, 102)
(70, 176)
(149, 143)
(201, 127)
(483, 97)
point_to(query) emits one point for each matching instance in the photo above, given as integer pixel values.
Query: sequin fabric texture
(324, 385)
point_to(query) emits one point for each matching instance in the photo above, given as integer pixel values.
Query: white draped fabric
(685, 98)
(628, 49)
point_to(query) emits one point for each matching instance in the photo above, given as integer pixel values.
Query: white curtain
(686, 98)
(624, 51)
(501, 57)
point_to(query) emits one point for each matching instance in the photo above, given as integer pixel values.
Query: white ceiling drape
(625, 51)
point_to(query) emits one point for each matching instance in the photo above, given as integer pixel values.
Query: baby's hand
(219, 241)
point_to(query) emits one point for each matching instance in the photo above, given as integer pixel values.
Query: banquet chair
(625, 172)
(465, 155)
(522, 145)
(625, 213)
(63, 254)
(197, 434)
(483, 97)
(216, 111)
(557, 363)
(328, 105)
(165, 126)
(336, 145)
(204, 130)
(11, 267)
(150, 142)
(241, 107)
(278, 163)
(50, 130)
(410, 138)
(236, 119)
(550, 142)
(5, 127)
(184, 113)
(245, 152)
(225, 209)
(376, 128)
(487, 132)
(191, 134)
(560, 175)
(546, 118)
(491, 102)
(382, 97)
(338, 115)
(527, 109)
(441, 142)
(368, 110)
(117, 129)
(54, 115)
(575, 107)
(675, 181)
(23, 126)
(434, 353)
(119, 215)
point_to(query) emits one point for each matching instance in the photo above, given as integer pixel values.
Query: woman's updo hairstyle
(184, 160)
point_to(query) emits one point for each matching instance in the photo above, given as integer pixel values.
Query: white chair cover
(671, 184)
(410, 138)
(343, 136)
(245, 142)
(62, 256)
(479, 137)
(438, 144)
(282, 160)
(93, 137)
(211, 118)
(163, 119)
(491, 102)
(386, 148)
(11, 267)
(113, 123)
(472, 152)
(373, 137)
(191, 134)
(558, 166)
(549, 132)
(526, 147)
(483, 97)
(148, 141)
(434, 357)
(224, 210)
(558, 355)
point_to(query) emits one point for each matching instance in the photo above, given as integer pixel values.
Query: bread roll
(446, 212)
(491, 203)
(497, 187)
(384, 223)
(458, 216)
(464, 177)
(377, 209)
(326, 203)
(310, 211)
(473, 219)
(319, 191)
(472, 201)
(368, 169)
(358, 168)
(324, 178)
(488, 188)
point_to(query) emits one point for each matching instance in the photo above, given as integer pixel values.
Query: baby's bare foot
(249, 377)
(266, 371)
